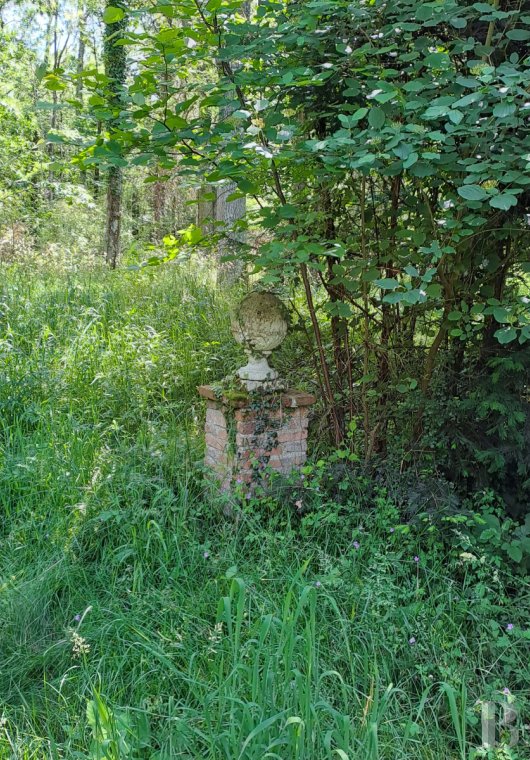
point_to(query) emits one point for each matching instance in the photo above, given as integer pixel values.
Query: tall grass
(135, 621)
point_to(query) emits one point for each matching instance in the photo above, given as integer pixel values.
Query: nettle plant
(383, 147)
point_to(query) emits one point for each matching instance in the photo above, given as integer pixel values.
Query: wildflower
(412, 640)
(509, 627)
(356, 544)
(239, 481)
(392, 530)
(206, 555)
(299, 504)
(506, 691)
(80, 646)
(214, 637)
(249, 495)
(416, 559)
(318, 584)
(77, 618)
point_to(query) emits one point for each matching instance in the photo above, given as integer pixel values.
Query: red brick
(295, 447)
(285, 436)
(297, 398)
(260, 440)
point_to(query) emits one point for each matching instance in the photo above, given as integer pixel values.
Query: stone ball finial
(259, 324)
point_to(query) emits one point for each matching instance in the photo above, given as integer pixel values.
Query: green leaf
(515, 552)
(503, 201)
(410, 160)
(262, 104)
(246, 186)
(500, 314)
(502, 110)
(436, 112)
(176, 122)
(456, 116)
(434, 290)
(518, 34)
(111, 14)
(387, 283)
(376, 117)
(53, 83)
(472, 192)
(506, 335)
(348, 121)
(40, 72)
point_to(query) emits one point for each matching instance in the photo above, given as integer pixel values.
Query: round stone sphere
(260, 322)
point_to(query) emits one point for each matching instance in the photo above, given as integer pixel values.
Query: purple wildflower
(77, 618)
(356, 544)
(239, 481)
(412, 640)
(509, 627)
(506, 691)
(249, 495)
(392, 530)
(416, 559)
(318, 584)
(206, 555)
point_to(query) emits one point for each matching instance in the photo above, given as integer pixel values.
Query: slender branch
(322, 354)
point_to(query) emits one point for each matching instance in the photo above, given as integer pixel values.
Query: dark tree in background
(116, 71)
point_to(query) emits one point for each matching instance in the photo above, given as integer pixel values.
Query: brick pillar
(245, 435)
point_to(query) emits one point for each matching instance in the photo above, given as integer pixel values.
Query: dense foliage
(384, 149)
(136, 622)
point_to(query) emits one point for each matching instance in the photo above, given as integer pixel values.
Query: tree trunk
(158, 205)
(115, 69)
(80, 51)
(114, 198)
(229, 213)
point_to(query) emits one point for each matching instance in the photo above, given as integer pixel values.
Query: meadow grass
(136, 621)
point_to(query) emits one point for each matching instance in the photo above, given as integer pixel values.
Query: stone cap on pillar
(290, 398)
